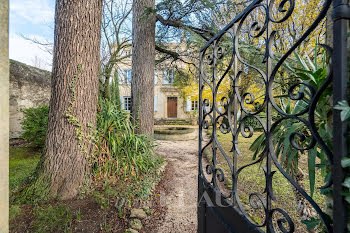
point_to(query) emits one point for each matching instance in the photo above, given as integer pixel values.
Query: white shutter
(239, 115)
(165, 77)
(219, 106)
(155, 103)
(121, 102)
(155, 77)
(128, 76)
(207, 108)
(188, 105)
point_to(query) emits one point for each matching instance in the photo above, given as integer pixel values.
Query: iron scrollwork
(218, 63)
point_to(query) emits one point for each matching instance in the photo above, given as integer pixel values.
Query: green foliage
(252, 122)
(345, 162)
(312, 223)
(22, 163)
(104, 226)
(37, 190)
(313, 74)
(148, 211)
(110, 91)
(124, 193)
(120, 152)
(344, 107)
(51, 218)
(114, 91)
(25, 184)
(14, 211)
(34, 125)
(78, 216)
(253, 177)
(101, 200)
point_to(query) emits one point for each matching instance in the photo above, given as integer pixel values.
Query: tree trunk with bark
(74, 94)
(143, 56)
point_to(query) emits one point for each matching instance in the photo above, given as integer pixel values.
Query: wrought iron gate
(247, 54)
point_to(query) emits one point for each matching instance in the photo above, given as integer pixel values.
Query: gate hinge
(341, 11)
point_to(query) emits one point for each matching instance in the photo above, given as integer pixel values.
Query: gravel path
(180, 197)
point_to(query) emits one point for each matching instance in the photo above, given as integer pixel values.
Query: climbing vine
(83, 139)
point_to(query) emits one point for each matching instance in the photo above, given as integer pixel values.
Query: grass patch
(22, 163)
(252, 179)
(14, 211)
(127, 191)
(124, 168)
(50, 218)
(110, 193)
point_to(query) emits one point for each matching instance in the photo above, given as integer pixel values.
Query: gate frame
(340, 18)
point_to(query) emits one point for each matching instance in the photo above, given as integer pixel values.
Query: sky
(31, 19)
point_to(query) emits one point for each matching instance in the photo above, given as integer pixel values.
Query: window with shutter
(127, 103)
(155, 103)
(168, 76)
(121, 102)
(127, 75)
(188, 105)
(155, 77)
(194, 105)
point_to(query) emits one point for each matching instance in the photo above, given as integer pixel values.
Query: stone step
(165, 121)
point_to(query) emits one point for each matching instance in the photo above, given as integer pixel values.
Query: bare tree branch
(179, 24)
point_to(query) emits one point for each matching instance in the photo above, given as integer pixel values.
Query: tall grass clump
(120, 152)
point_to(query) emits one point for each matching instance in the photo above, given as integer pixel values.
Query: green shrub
(254, 123)
(120, 152)
(34, 125)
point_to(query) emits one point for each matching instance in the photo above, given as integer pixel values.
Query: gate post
(200, 207)
(200, 188)
(340, 16)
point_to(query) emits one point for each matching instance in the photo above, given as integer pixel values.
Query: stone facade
(161, 94)
(164, 90)
(29, 87)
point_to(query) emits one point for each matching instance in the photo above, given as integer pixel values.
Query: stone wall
(29, 87)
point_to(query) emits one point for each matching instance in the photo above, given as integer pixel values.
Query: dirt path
(180, 186)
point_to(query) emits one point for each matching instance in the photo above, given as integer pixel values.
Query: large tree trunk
(143, 56)
(74, 94)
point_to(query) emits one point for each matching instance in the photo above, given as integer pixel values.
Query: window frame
(166, 75)
(127, 76)
(194, 105)
(127, 103)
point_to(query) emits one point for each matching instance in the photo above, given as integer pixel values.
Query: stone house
(168, 103)
(30, 87)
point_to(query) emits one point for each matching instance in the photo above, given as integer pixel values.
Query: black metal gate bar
(200, 203)
(213, 217)
(341, 16)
